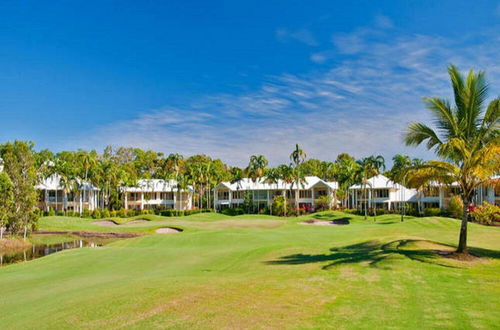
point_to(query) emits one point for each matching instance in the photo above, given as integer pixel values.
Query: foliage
(279, 207)
(322, 203)
(19, 165)
(455, 207)
(486, 213)
(432, 212)
(233, 211)
(6, 201)
(466, 138)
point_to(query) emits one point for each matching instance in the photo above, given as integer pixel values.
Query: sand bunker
(168, 230)
(337, 222)
(105, 223)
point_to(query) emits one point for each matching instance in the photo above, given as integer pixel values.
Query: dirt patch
(88, 234)
(338, 222)
(459, 256)
(105, 223)
(168, 230)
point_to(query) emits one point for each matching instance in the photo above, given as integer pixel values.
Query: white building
(232, 195)
(381, 193)
(438, 195)
(51, 195)
(157, 194)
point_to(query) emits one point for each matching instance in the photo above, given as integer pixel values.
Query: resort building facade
(381, 193)
(157, 194)
(52, 195)
(439, 195)
(232, 195)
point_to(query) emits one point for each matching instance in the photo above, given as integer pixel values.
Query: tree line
(465, 136)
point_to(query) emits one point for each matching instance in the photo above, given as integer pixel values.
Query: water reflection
(41, 250)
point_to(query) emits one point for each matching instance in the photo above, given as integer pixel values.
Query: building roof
(154, 185)
(54, 183)
(378, 182)
(261, 184)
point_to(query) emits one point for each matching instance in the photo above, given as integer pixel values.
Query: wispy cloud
(302, 35)
(360, 105)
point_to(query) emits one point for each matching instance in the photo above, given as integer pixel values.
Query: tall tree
(6, 201)
(19, 164)
(370, 167)
(286, 174)
(272, 178)
(466, 137)
(297, 157)
(237, 177)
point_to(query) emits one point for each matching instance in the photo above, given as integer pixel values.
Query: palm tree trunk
(462, 241)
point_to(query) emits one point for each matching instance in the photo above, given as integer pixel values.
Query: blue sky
(233, 78)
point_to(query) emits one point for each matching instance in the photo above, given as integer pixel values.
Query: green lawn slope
(260, 272)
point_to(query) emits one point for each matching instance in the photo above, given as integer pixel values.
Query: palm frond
(417, 133)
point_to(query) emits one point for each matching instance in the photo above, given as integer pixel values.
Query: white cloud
(360, 105)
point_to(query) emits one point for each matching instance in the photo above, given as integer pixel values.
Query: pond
(41, 249)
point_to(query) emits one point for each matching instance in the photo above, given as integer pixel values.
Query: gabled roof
(261, 184)
(53, 182)
(377, 182)
(154, 185)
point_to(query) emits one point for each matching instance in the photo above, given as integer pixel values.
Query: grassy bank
(260, 271)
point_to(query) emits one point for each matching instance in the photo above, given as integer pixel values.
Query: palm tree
(237, 174)
(182, 184)
(272, 177)
(299, 180)
(346, 174)
(466, 137)
(257, 168)
(68, 180)
(286, 174)
(297, 157)
(370, 167)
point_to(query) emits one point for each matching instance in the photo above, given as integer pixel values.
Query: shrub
(351, 211)
(52, 212)
(122, 213)
(486, 214)
(278, 205)
(96, 214)
(105, 213)
(60, 213)
(86, 213)
(113, 213)
(432, 212)
(70, 213)
(455, 208)
(322, 203)
(233, 211)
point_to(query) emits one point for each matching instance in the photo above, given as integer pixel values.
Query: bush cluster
(486, 214)
(121, 213)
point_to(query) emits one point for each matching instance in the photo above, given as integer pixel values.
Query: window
(150, 196)
(223, 195)
(321, 193)
(260, 195)
(305, 194)
(167, 196)
(380, 193)
(238, 195)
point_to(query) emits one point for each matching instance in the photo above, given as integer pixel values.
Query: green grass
(260, 272)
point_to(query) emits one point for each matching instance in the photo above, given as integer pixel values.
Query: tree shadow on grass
(373, 253)
(333, 219)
